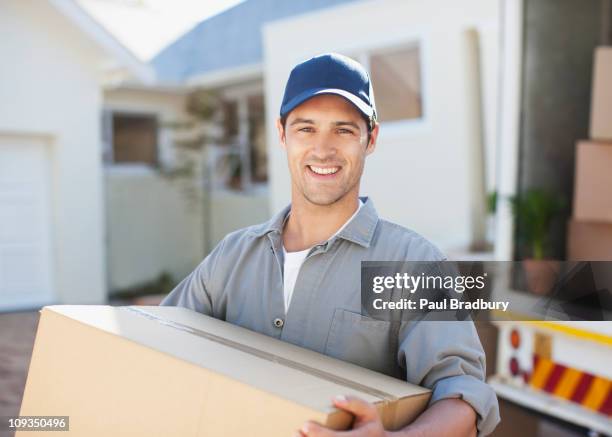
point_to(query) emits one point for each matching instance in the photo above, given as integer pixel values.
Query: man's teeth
(321, 170)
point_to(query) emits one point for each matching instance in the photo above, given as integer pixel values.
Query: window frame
(240, 96)
(363, 54)
(108, 138)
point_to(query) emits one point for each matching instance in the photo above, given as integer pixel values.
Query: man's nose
(323, 147)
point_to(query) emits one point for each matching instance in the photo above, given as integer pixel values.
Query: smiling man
(297, 277)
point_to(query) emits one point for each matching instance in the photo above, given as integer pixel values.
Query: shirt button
(278, 323)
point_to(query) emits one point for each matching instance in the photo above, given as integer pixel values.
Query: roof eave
(226, 76)
(88, 25)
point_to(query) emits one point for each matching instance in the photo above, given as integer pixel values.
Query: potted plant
(534, 212)
(491, 210)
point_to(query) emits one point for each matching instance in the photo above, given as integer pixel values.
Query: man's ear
(373, 138)
(281, 133)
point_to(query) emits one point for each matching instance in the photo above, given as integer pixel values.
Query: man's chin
(323, 199)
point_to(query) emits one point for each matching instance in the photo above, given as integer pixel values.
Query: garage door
(25, 224)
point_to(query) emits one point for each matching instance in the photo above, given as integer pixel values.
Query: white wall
(153, 227)
(420, 174)
(234, 210)
(49, 87)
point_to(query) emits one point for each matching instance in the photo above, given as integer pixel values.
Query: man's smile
(323, 172)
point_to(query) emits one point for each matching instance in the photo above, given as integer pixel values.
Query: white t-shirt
(294, 260)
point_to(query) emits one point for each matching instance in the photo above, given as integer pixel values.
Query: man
(297, 277)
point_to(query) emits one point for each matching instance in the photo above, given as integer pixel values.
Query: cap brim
(362, 106)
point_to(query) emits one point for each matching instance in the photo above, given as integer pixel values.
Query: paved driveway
(17, 332)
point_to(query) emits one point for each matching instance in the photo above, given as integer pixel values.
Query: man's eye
(345, 131)
(305, 129)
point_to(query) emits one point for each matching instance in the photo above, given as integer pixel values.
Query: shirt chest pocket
(363, 341)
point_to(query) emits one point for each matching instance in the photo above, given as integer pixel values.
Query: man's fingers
(365, 414)
(312, 429)
(363, 410)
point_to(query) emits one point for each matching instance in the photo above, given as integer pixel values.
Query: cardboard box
(601, 97)
(593, 182)
(589, 241)
(170, 371)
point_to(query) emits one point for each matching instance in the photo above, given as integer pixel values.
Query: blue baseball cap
(330, 73)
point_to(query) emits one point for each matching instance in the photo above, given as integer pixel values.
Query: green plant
(534, 211)
(492, 202)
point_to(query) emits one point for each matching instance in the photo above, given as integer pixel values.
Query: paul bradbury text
(442, 305)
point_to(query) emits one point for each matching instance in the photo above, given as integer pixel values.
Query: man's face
(326, 140)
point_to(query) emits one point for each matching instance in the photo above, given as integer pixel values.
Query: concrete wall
(421, 175)
(153, 227)
(49, 87)
(235, 210)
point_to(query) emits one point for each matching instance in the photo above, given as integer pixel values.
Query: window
(240, 160)
(396, 79)
(230, 120)
(134, 138)
(257, 138)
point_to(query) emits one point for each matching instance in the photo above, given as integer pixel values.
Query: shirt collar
(359, 230)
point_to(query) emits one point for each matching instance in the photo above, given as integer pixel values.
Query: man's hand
(367, 421)
(459, 419)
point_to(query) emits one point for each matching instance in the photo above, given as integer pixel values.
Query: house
(106, 204)
(87, 143)
(52, 230)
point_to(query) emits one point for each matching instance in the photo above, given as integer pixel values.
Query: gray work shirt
(241, 281)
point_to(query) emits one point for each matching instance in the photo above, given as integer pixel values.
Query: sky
(147, 26)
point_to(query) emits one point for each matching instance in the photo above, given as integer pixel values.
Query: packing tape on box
(384, 396)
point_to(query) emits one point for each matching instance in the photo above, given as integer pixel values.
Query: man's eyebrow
(347, 123)
(335, 123)
(301, 120)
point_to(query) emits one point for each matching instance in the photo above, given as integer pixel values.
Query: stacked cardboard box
(163, 371)
(590, 230)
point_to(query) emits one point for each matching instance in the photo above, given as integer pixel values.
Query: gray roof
(229, 39)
